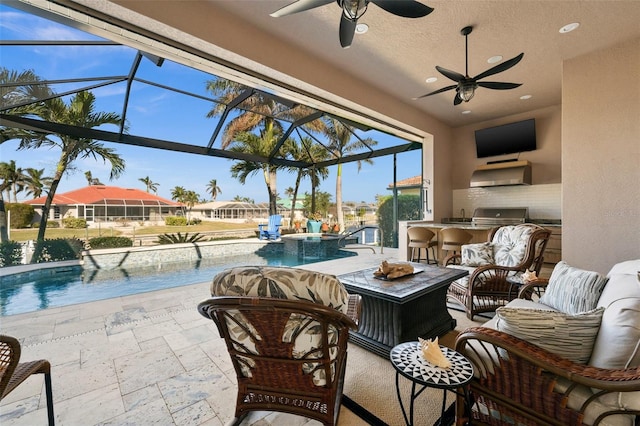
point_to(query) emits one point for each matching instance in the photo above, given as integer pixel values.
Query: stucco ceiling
(397, 54)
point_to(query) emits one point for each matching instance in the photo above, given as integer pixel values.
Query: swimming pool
(72, 285)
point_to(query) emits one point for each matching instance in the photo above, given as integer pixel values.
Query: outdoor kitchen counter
(480, 234)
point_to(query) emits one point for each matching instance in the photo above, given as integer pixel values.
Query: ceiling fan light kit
(352, 10)
(466, 86)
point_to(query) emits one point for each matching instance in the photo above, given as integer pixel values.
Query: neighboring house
(409, 186)
(231, 211)
(100, 203)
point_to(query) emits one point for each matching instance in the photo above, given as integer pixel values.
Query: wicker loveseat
(574, 363)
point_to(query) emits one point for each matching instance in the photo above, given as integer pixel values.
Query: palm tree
(5, 184)
(214, 189)
(312, 153)
(16, 88)
(35, 182)
(342, 142)
(14, 178)
(260, 145)
(260, 112)
(79, 112)
(177, 194)
(190, 199)
(151, 185)
(91, 180)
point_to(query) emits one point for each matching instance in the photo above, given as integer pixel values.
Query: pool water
(68, 286)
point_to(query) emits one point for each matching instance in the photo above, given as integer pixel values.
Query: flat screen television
(506, 139)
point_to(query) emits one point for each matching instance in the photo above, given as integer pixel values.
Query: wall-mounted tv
(506, 139)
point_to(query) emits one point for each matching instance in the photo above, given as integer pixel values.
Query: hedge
(409, 208)
(57, 249)
(109, 242)
(10, 253)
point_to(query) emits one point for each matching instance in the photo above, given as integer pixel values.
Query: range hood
(502, 174)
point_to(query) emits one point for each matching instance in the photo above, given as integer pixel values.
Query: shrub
(57, 249)
(409, 208)
(195, 221)
(53, 224)
(175, 221)
(179, 238)
(10, 253)
(74, 223)
(110, 242)
(21, 214)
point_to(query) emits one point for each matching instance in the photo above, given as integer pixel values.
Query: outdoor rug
(370, 383)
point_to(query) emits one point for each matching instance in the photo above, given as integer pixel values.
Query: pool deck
(148, 358)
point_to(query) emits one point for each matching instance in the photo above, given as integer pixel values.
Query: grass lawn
(117, 230)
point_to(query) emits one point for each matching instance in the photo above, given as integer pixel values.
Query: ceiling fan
(352, 10)
(466, 86)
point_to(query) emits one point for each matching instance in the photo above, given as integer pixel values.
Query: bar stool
(421, 238)
(454, 238)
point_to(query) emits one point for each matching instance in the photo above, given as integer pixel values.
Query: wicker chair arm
(611, 380)
(300, 306)
(452, 259)
(536, 286)
(494, 273)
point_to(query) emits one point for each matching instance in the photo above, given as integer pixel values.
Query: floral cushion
(283, 283)
(510, 243)
(477, 254)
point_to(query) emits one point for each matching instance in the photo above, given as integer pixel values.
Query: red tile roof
(101, 194)
(412, 181)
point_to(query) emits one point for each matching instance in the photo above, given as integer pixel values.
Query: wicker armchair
(286, 331)
(13, 372)
(523, 384)
(494, 279)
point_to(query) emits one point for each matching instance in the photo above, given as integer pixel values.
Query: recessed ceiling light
(494, 59)
(569, 27)
(525, 97)
(362, 28)
(466, 111)
(431, 79)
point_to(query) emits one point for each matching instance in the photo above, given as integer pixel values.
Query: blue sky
(160, 114)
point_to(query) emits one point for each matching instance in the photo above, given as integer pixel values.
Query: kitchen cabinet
(553, 252)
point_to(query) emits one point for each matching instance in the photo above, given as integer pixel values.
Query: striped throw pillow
(570, 336)
(572, 290)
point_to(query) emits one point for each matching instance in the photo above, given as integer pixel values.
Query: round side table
(408, 361)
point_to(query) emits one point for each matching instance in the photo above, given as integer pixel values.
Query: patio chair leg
(49, 392)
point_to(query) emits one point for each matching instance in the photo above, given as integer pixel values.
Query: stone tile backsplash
(543, 201)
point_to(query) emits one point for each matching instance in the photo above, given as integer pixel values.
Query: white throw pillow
(477, 254)
(572, 290)
(570, 336)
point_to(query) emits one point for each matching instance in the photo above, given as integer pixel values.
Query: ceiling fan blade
(500, 67)
(299, 6)
(347, 30)
(457, 100)
(404, 8)
(451, 75)
(444, 89)
(497, 85)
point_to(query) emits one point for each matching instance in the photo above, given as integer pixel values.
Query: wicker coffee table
(403, 309)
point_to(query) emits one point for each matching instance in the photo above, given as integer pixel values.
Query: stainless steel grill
(491, 216)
